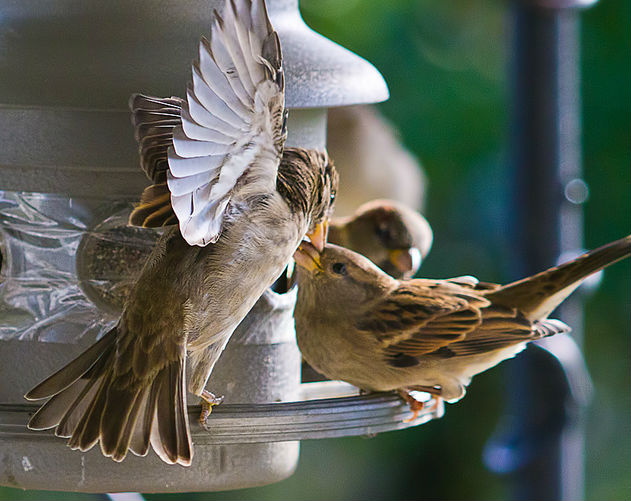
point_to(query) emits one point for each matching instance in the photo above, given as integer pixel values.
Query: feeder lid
(321, 73)
(69, 68)
(96, 54)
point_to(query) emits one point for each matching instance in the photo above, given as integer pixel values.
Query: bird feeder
(69, 173)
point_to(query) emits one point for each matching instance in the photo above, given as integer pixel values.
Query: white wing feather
(232, 122)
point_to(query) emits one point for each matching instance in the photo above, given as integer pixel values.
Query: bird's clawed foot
(417, 405)
(208, 400)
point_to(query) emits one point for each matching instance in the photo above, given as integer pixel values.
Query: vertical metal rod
(542, 447)
(546, 156)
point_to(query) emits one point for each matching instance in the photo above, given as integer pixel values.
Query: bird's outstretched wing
(231, 124)
(154, 120)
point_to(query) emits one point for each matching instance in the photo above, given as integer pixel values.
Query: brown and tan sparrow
(243, 203)
(390, 234)
(357, 324)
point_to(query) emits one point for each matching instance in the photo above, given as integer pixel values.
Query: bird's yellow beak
(308, 257)
(406, 260)
(319, 234)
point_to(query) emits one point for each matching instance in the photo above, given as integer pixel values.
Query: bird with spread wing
(357, 324)
(237, 203)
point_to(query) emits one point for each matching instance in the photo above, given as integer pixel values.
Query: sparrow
(236, 203)
(357, 324)
(390, 234)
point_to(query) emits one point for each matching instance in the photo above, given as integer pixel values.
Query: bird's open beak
(308, 257)
(319, 234)
(406, 260)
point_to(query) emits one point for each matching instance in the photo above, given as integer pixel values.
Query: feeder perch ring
(360, 415)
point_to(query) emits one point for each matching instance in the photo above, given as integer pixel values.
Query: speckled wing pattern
(447, 318)
(421, 316)
(232, 121)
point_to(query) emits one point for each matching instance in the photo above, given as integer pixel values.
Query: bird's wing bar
(232, 121)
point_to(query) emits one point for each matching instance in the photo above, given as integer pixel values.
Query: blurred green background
(445, 64)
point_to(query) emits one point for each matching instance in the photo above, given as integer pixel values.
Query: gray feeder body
(68, 165)
(68, 69)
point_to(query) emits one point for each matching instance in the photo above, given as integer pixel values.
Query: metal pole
(540, 444)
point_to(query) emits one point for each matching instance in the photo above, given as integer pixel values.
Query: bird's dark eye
(332, 197)
(339, 268)
(383, 232)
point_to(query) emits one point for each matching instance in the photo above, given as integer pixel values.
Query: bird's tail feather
(90, 403)
(67, 375)
(537, 296)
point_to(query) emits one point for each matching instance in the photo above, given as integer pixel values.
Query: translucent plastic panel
(67, 265)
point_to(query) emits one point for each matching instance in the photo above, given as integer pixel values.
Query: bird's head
(393, 236)
(308, 180)
(337, 279)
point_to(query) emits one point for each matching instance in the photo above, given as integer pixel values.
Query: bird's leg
(416, 405)
(437, 400)
(208, 400)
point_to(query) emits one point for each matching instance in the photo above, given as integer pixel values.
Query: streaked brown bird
(357, 324)
(390, 234)
(243, 203)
